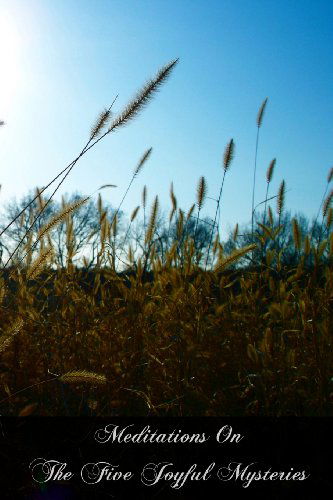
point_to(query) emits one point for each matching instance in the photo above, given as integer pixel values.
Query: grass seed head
(270, 171)
(142, 98)
(281, 197)
(83, 376)
(201, 192)
(261, 112)
(228, 155)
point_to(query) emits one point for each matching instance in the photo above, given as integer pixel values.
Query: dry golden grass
(183, 340)
(189, 342)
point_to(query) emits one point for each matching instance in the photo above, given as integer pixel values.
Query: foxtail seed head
(228, 154)
(261, 112)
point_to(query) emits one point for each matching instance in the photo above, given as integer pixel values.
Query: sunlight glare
(9, 62)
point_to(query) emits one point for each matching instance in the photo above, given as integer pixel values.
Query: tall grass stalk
(227, 159)
(137, 169)
(201, 195)
(259, 123)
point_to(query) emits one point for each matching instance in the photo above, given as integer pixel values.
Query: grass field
(178, 333)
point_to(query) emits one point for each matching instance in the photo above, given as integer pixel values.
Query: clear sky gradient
(63, 61)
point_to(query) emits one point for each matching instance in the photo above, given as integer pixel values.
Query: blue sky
(63, 61)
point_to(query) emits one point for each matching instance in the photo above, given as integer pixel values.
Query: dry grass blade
(107, 186)
(83, 376)
(143, 96)
(261, 112)
(228, 155)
